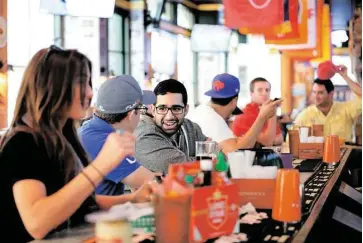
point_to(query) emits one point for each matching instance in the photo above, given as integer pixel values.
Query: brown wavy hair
(46, 95)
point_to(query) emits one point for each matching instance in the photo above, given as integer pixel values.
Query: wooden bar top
(86, 232)
(303, 233)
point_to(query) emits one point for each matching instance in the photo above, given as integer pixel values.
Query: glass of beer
(206, 150)
(206, 154)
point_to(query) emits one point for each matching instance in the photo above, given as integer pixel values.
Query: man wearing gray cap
(118, 106)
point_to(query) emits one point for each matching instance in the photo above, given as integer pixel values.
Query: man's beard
(170, 127)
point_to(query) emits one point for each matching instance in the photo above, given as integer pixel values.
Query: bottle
(221, 168)
(198, 180)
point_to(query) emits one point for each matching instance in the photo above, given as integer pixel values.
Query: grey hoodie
(156, 150)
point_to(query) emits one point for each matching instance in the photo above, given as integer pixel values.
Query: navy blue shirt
(93, 135)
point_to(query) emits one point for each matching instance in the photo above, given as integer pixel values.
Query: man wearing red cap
(271, 134)
(212, 117)
(337, 117)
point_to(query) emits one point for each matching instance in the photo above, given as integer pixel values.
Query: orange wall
(3, 72)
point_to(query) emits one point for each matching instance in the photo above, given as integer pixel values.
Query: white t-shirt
(211, 123)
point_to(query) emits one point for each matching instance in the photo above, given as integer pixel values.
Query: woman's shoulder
(21, 141)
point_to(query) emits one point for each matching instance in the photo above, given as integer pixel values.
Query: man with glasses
(119, 103)
(167, 137)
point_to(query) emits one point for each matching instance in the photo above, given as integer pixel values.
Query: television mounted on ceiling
(79, 8)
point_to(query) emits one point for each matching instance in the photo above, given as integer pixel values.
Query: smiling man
(337, 117)
(167, 137)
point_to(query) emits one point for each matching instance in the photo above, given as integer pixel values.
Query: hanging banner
(267, 29)
(253, 13)
(326, 47)
(307, 29)
(290, 27)
(289, 24)
(316, 52)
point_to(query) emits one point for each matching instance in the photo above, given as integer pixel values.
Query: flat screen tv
(79, 8)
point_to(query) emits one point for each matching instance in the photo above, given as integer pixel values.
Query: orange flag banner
(253, 13)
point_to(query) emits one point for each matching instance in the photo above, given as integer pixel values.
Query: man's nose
(169, 114)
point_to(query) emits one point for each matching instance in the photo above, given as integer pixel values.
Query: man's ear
(186, 109)
(130, 114)
(152, 110)
(331, 95)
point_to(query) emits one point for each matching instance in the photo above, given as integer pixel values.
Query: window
(115, 45)
(118, 43)
(29, 30)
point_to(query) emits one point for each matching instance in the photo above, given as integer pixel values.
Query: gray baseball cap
(121, 94)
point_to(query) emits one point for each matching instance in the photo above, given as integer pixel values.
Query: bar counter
(334, 215)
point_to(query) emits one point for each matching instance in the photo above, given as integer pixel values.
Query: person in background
(337, 117)
(120, 101)
(167, 137)
(271, 134)
(47, 182)
(212, 117)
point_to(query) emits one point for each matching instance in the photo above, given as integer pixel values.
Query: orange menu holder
(311, 150)
(214, 212)
(318, 130)
(172, 213)
(331, 150)
(260, 192)
(287, 202)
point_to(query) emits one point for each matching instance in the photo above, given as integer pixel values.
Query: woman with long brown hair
(47, 181)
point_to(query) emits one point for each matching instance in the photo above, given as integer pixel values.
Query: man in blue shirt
(120, 101)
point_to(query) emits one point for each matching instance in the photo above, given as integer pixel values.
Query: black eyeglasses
(175, 110)
(142, 109)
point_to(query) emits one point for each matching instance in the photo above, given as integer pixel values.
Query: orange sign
(260, 192)
(214, 212)
(311, 150)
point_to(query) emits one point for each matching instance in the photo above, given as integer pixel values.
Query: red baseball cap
(326, 70)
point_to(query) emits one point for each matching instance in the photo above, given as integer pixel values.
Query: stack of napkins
(313, 139)
(240, 163)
